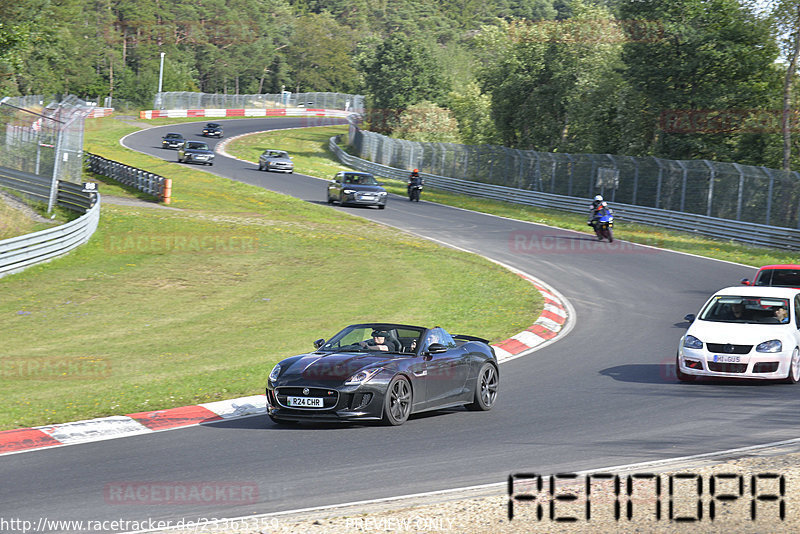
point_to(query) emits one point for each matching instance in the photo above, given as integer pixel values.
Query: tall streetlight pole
(160, 80)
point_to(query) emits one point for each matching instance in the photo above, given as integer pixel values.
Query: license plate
(727, 359)
(201, 157)
(367, 197)
(305, 402)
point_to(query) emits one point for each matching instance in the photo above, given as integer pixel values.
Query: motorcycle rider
(599, 209)
(414, 179)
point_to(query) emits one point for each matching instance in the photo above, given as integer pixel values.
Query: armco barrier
(750, 233)
(18, 253)
(147, 182)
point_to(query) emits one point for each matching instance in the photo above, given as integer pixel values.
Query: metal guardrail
(147, 182)
(18, 253)
(750, 233)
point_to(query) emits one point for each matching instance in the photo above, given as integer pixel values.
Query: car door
(335, 188)
(446, 372)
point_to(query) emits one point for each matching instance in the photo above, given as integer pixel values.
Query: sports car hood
(333, 366)
(736, 333)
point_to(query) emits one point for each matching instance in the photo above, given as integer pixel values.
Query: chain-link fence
(188, 100)
(721, 190)
(43, 137)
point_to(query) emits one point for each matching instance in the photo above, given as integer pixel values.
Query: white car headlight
(773, 345)
(273, 375)
(348, 191)
(691, 342)
(361, 377)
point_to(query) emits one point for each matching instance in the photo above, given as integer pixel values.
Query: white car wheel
(794, 368)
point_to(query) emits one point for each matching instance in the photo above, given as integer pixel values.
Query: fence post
(710, 187)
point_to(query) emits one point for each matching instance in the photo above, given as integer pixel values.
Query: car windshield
(197, 146)
(360, 179)
(212, 125)
(745, 309)
(779, 278)
(360, 338)
(174, 136)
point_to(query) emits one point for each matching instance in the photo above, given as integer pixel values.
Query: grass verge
(169, 307)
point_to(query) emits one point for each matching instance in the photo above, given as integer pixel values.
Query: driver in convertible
(380, 341)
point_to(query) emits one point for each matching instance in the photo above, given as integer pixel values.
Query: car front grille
(765, 367)
(727, 367)
(727, 348)
(329, 397)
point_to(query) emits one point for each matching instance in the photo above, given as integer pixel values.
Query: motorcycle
(414, 191)
(602, 224)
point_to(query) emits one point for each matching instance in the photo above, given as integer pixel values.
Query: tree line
(679, 79)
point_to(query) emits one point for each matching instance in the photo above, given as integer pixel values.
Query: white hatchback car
(744, 332)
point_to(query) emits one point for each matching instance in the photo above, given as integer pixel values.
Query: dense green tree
(400, 74)
(473, 113)
(427, 122)
(554, 84)
(708, 55)
(320, 55)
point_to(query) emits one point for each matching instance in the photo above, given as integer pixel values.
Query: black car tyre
(486, 387)
(279, 421)
(382, 206)
(793, 377)
(683, 377)
(397, 402)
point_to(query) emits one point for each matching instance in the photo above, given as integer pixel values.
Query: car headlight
(348, 191)
(273, 375)
(773, 345)
(691, 342)
(382, 194)
(361, 377)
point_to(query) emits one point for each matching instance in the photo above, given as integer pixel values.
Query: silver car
(276, 161)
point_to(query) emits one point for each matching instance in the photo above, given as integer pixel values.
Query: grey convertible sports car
(383, 372)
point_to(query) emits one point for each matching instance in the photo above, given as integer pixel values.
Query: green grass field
(169, 307)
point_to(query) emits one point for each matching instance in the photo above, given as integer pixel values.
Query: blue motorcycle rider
(601, 219)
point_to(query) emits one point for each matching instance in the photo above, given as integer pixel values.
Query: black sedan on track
(212, 129)
(172, 140)
(195, 152)
(383, 372)
(349, 187)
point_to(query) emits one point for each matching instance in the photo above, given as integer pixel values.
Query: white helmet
(599, 198)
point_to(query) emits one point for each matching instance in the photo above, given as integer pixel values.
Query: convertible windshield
(735, 309)
(375, 337)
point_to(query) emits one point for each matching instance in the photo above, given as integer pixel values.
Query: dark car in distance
(195, 152)
(383, 372)
(350, 187)
(212, 129)
(275, 161)
(172, 140)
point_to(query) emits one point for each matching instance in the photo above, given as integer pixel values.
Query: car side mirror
(689, 317)
(745, 282)
(436, 348)
(318, 343)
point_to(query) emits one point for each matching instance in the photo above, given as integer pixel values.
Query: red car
(776, 275)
